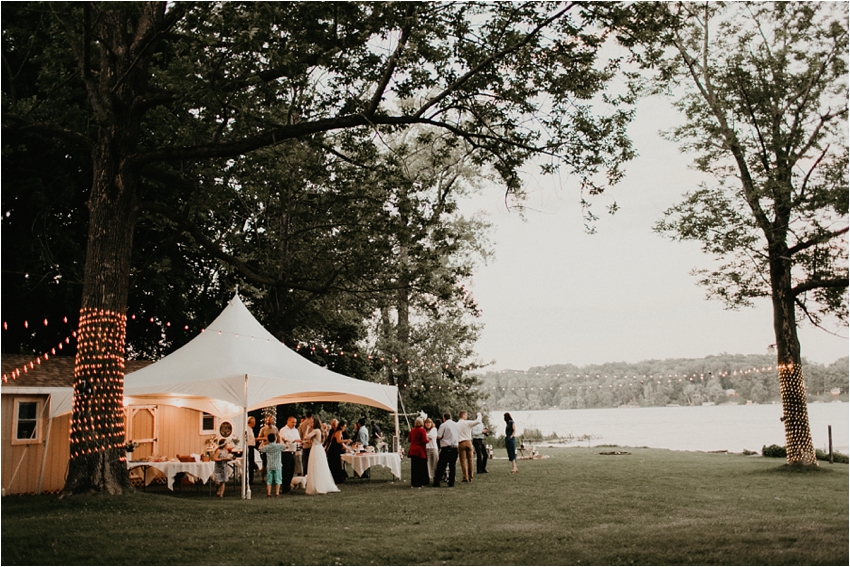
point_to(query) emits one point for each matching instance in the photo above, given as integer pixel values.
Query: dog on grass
(298, 481)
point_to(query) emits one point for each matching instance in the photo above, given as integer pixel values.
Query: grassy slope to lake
(651, 507)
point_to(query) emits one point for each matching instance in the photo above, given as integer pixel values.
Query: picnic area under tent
(235, 365)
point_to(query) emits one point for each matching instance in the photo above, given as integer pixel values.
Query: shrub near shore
(651, 507)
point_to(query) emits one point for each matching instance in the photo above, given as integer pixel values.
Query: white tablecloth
(361, 462)
(200, 470)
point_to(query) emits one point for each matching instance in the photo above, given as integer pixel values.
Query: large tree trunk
(97, 425)
(113, 85)
(792, 387)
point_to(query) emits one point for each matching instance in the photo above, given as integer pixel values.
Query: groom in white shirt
(290, 437)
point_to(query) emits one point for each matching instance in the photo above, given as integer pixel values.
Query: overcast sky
(553, 294)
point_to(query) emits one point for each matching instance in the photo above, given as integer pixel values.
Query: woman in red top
(418, 438)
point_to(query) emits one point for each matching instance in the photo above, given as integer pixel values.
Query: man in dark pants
(447, 436)
(251, 442)
(478, 434)
(290, 437)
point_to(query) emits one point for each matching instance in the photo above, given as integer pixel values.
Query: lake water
(686, 428)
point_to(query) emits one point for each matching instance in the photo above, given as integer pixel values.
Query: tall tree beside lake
(148, 90)
(765, 102)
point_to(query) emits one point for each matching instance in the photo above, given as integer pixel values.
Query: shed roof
(55, 372)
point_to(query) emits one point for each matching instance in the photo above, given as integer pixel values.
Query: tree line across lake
(724, 378)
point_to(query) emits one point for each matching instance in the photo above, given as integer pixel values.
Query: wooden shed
(36, 424)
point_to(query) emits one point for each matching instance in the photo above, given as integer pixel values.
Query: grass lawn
(578, 507)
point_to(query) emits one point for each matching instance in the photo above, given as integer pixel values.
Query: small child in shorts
(274, 468)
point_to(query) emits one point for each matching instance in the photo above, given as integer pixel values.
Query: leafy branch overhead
(766, 107)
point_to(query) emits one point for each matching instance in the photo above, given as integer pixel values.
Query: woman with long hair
(335, 450)
(510, 441)
(319, 477)
(431, 449)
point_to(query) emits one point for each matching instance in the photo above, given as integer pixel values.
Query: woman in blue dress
(510, 441)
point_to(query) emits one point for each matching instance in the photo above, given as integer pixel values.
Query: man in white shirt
(479, 432)
(464, 443)
(447, 435)
(289, 436)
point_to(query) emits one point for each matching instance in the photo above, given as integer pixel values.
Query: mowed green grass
(578, 507)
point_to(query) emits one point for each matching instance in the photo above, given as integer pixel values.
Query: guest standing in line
(252, 446)
(265, 430)
(290, 437)
(335, 450)
(306, 444)
(464, 443)
(479, 432)
(431, 449)
(363, 439)
(447, 434)
(377, 437)
(510, 441)
(418, 439)
(272, 451)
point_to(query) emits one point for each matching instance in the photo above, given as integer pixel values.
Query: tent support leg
(245, 452)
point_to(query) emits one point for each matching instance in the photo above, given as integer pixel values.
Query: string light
(97, 422)
(14, 374)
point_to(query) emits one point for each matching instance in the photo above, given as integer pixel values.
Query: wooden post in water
(829, 429)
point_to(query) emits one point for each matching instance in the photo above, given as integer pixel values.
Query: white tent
(235, 365)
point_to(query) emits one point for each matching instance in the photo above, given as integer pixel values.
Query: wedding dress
(319, 479)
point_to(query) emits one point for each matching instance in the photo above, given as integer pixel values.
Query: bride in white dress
(319, 477)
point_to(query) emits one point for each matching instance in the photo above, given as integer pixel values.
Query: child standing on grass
(274, 467)
(222, 455)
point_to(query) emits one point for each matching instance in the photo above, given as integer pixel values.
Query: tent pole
(245, 452)
(397, 438)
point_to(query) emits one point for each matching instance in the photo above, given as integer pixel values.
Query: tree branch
(392, 61)
(494, 57)
(242, 267)
(819, 284)
(815, 241)
(14, 123)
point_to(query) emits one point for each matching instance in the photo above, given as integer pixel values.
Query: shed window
(207, 423)
(26, 421)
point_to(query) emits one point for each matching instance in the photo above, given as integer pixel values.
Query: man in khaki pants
(464, 443)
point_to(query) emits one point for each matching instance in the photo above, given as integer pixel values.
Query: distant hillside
(725, 378)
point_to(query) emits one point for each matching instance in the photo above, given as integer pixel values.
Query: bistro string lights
(97, 424)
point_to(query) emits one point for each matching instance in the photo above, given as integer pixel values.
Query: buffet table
(199, 470)
(361, 462)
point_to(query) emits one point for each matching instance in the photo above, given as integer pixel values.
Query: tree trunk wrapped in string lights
(97, 425)
(798, 437)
